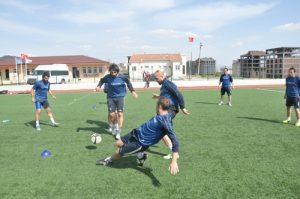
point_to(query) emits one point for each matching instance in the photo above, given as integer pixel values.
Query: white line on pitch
(270, 90)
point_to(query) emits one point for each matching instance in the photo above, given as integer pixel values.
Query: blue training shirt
(292, 86)
(115, 86)
(226, 80)
(170, 91)
(40, 90)
(155, 129)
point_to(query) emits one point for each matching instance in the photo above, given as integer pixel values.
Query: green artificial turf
(238, 152)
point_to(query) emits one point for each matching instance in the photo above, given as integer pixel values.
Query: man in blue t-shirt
(169, 90)
(292, 83)
(226, 85)
(39, 98)
(115, 85)
(148, 134)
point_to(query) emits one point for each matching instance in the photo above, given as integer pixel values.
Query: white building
(172, 64)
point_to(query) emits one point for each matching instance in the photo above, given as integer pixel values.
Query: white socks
(52, 120)
(140, 155)
(37, 123)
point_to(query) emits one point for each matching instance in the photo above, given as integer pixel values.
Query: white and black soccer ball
(96, 138)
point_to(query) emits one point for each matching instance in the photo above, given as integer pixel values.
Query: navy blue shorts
(131, 144)
(225, 90)
(115, 104)
(40, 104)
(292, 101)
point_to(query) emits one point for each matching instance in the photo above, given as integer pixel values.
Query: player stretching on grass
(39, 97)
(227, 84)
(292, 95)
(116, 91)
(169, 90)
(148, 134)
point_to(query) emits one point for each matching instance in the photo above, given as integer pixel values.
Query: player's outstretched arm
(173, 168)
(32, 96)
(155, 96)
(52, 95)
(134, 94)
(185, 111)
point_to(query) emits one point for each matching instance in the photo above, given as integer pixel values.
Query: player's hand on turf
(185, 111)
(173, 168)
(155, 96)
(134, 94)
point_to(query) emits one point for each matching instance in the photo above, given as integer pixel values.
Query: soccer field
(225, 152)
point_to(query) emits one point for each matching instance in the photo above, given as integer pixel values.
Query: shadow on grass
(101, 127)
(209, 103)
(32, 123)
(102, 103)
(91, 147)
(156, 153)
(130, 162)
(260, 119)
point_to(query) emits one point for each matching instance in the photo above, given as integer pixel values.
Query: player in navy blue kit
(292, 95)
(116, 91)
(148, 134)
(169, 90)
(39, 98)
(226, 85)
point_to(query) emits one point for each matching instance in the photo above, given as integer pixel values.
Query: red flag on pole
(191, 39)
(24, 56)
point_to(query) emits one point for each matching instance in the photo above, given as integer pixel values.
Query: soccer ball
(96, 138)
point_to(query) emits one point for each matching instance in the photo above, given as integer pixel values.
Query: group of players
(160, 127)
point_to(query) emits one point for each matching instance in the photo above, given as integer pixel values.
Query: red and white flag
(24, 56)
(191, 39)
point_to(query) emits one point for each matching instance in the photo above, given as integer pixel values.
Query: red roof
(70, 59)
(155, 57)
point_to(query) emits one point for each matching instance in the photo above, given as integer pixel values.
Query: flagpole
(25, 70)
(17, 76)
(21, 68)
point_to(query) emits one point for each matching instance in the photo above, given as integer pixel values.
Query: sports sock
(289, 118)
(52, 119)
(140, 155)
(37, 123)
(170, 147)
(108, 159)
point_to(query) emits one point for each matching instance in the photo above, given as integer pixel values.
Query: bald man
(170, 91)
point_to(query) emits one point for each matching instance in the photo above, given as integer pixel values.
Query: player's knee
(112, 114)
(120, 114)
(119, 143)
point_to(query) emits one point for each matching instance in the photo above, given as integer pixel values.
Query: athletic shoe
(221, 103)
(104, 161)
(168, 157)
(286, 121)
(297, 124)
(229, 104)
(142, 160)
(38, 128)
(55, 124)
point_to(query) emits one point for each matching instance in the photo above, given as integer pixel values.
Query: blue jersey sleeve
(128, 83)
(174, 90)
(167, 127)
(34, 87)
(102, 81)
(221, 78)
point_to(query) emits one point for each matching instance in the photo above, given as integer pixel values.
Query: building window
(177, 67)
(28, 71)
(100, 69)
(134, 68)
(89, 70)
(95, 70)
(84, 70)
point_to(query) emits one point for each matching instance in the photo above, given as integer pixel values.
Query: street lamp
(200, 46)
